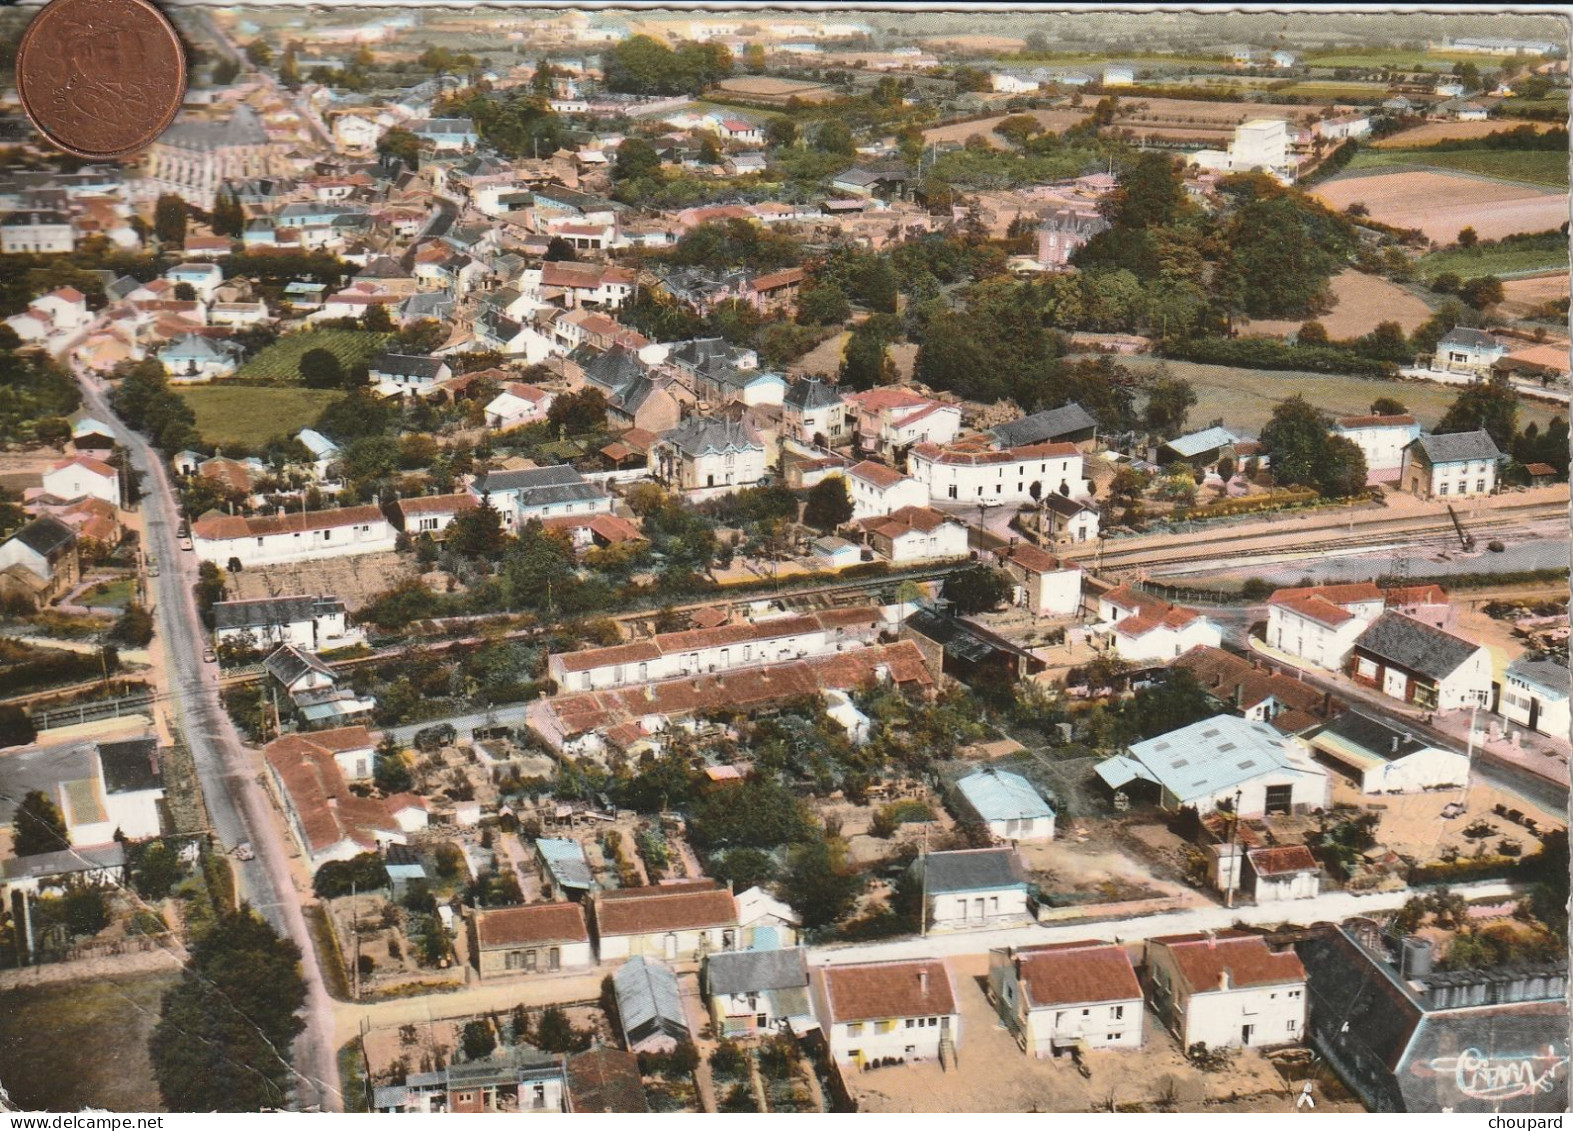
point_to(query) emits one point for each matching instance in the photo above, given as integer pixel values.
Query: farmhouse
(1381, 758)
(328, 821)
(1226, 990)
(39, 562)
(538, 938)
(1046, 585)
(291, 536)
(877, 490)
(81, 477)
(1142, 627)
(914, 534)
(1416, 663)
(680, 921)
(315, 623)
(429, 514)
(872, 1011)
(1381, 439)
(518, 404)
(1065, 997)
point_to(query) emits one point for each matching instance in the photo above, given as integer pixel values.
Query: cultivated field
(1184, 113)
(1536, 167)
(281, 360)
(1334, 91)
(1052, 121)
(252, 414)
(1548, 253)
(1441, 204)
(1362, 301)
(1433, 132)
(1523, 295)
(354, 579)
(1244, 398)
(71, 1046)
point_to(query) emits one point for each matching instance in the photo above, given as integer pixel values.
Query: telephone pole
(1234, 864)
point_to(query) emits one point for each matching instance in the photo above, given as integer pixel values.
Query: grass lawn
(116, 594)
(1547, 254)
(1536, 167)
(281, 360)
(1393, 57)
(252, 414)
(1332, 89)
(1244, 398)
(74, 1045)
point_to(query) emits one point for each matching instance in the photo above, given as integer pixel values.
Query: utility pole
(355, 929)
(1234, 864)
(923, 907)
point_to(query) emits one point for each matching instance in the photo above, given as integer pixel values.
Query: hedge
(1251, 504)
(1476, 580)
(1267, 353)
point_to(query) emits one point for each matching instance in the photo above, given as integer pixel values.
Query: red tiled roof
(671, 907)
(326, 810)
(96, 466)
(340, 739)
(778, 279)
(1068, 973)
(876, 473)
(1313, 606)
(1034, 559)
(954, 455)
(232, 473)
(1346, 593)
(437, 504)
(1202, 961)
(1282, 860)
(67, 294)
(220, 527)
(877, 991)
(904, 520)
(1374, 421)
(530, 924)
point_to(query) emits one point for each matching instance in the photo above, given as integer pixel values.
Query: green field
(1244, 398)
(251, 414)
(1535, 167)
(75, 1045)
(1393, 57)
(1336, 91)
(281, 360)
(1547, 254)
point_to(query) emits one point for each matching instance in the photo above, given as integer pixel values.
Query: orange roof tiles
(1069, 973)
(1347, 593)
(1282, 860)
(961, 456)
(437, 504)
(219, 527)
(327, 812)
(1203, 960)
(876, 473)
(96, 466)
(531, 924)
(669, 907)
(904, 520)
(877, 991)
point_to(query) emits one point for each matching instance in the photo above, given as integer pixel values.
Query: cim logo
(1502, 1077)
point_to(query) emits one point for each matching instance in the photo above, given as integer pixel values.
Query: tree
(258, 53)
(478, 532)
(321, 369)
(134, 628)
(834, 137)
(338, 878)
(169, 219)
(781, 132)
(229, 218)
(636, 158)
(401, 143)
(391, 770)
(1296, 435)
(559, 250)
(822, 305)
(1343, 470)
(1388, 406)
(866, 360)
(1480, 293)
(38, 826)
(225, 1030)
(1169, 402)
(578, 414)
(1312, 334)
(754, 58)
(1447, 283)
(1489, 405)
(829, 504)
(478, 1039)
(16, 729)
(819, 882)
(1467, 238)
(156, 870)
(554, 1032)
(377, 319)
(86, 909)
(976, 589)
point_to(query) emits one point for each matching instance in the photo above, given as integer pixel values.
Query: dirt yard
(1181, 113)
(1361, 301)
(1441, 204)
(354, 580)
(1433, 132)
(1052, 121)
(1413, 825)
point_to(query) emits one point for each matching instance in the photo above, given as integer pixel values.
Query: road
(1331, 907)
(236, 800)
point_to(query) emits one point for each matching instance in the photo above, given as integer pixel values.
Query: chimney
(923, 982)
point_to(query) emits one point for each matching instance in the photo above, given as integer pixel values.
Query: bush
(1255, 589)
(1268, 353)
(728, 1061)
(339, 877)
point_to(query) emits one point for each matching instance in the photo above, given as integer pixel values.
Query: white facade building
(1143, 628)
(1381, 439)
(83, 476)
(1380, 757)
(1535, 695)
(1226, 990)
(876, 490)
(1320, 624)
(1456, 465)
(1067, 996)
(1014, 475)
(292, 536)
(869, 1011)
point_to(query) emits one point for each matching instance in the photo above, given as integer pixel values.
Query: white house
(1319, 624)
(915, 534)
(357, 131)
(888, 420)
(314, 623)
(1343, 126)
(704, 457)
(1455, 465)
(1008, 804)
(430, 514)
(192, 358)
(132, 785)
(1417, 663)
(1381, 439)
(815, 412)
(540, 493)
(727, 647)
(292, 536)
(1380, 757)
(415, 373)
(82, 476)
(1535, 695)
(1226, 990)
(1466, 350)
(972, 889)
(518, 404)
(1237, 762)
(1046, 585)
(680, 921)
(66, 307)
(1281, 873)
(905, 1010)
(328, 820)
(1069, 520)
(877, 489)
(1067, 996)
(537, 938)
(758, 991)
(1261, 143)
(1013, 82)
(36, 230)
(1141, 627)
(1013, 475)
(203, 278)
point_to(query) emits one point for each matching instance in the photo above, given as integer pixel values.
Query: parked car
(208, 656)
(243, 851)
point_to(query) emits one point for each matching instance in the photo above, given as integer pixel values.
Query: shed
(649, 1006)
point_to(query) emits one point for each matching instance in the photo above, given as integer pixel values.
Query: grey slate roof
(614, 369)
(408, 365)
(45, 535)
(288, 663)
(268, 612)
(1458, 447)
(1197, 443)
(751, 971)
(1548, 675)
(704, 435)
(1410, 644)
(810, 393)
(131, 765)
(242, 128)
(65, 862)
(539, 486)
(976, 869)
(1042, 427)
(1373, 736)
(648, 1000)
(1466, 336)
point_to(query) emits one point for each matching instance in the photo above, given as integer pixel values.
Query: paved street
(231, 785)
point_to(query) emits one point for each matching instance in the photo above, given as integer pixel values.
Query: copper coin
(101, 78)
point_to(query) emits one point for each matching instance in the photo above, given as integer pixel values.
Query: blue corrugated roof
(567, 863)
(1206, 758)
(999, 795)
(1204, 441)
